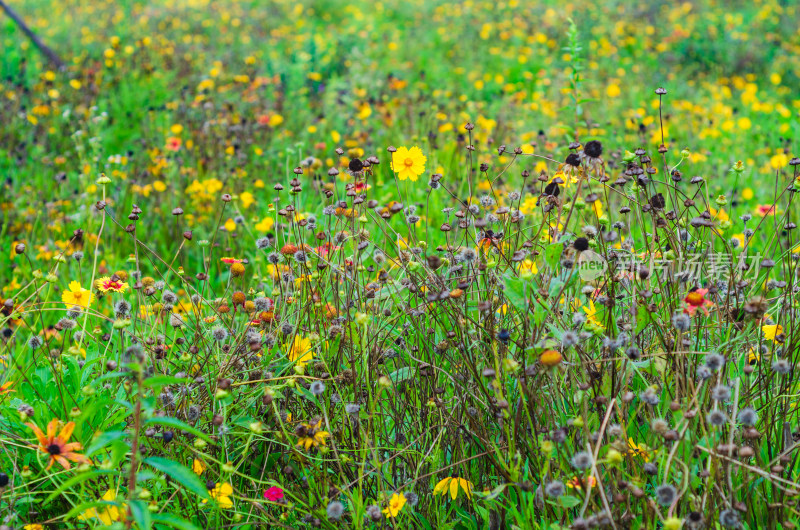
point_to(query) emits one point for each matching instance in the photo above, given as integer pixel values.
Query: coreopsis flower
(773, 332)
(639, 450)
(408, 163)
(55, 444)
(107, 514)
(697, 300)
(77, 296)
(300, 351)
(198, 466)
(106, 284)
(309, 435)
(221, 492)
(396, 503)
(453, 485)
(591, 314)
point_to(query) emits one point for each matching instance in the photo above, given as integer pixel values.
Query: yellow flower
(396, 504)
(452, 484)
(638, 449)
(107, 514)
(753, 357)
(528, 266)
(247, 199)
(408, 163)
(591, 313)
(773, 332)
(265, 225)
(300, 351)
(230, 225)
(33, 527)
(77, 296)
(198, 466)
(309, 436)
(222, 494)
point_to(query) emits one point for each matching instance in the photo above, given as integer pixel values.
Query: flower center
(694, 298)
(408, 162)
(54, 449)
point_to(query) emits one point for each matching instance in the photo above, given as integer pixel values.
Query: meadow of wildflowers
(430, 264)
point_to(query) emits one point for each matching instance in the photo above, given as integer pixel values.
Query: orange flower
(56, 445)
(231, 261)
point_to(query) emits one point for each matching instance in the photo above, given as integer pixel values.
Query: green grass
(439, 349)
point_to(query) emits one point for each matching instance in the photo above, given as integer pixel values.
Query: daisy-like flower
(77, 296)
(528, 266)
(773, 332)
(274, 494)
(325, 249)
(173, 143)
(396, 503)
(231, 261)
(581, 483)
(639, 450)
(108, 514)
(300, 351)
(408, 163)
(309, 435)
(591, 314)
(764, 210)
(453, 484)
(221, 492)
(753, 357)
(697, 300)
(106, 284)
(56, 446)
(198, 466)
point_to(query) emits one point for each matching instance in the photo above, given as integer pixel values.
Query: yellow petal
(454, 488)
(466, 485)
(441, 487)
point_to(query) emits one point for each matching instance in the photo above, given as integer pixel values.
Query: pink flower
(274, 494)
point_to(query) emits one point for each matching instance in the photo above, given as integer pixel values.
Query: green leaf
(175, 423)
(162, 380)
(568, 501)
(401, 374)
(180, 473)
(515, 291)
(552, 254)
(103, 440)
(141, 515)
(173, 521)
(642, 319)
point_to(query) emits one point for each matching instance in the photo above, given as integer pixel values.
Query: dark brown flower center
(54, 449)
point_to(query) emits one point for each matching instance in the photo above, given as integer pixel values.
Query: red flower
(325, 249)
(274, 494)
(697, 299)
(231, 261)
(173, 144)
